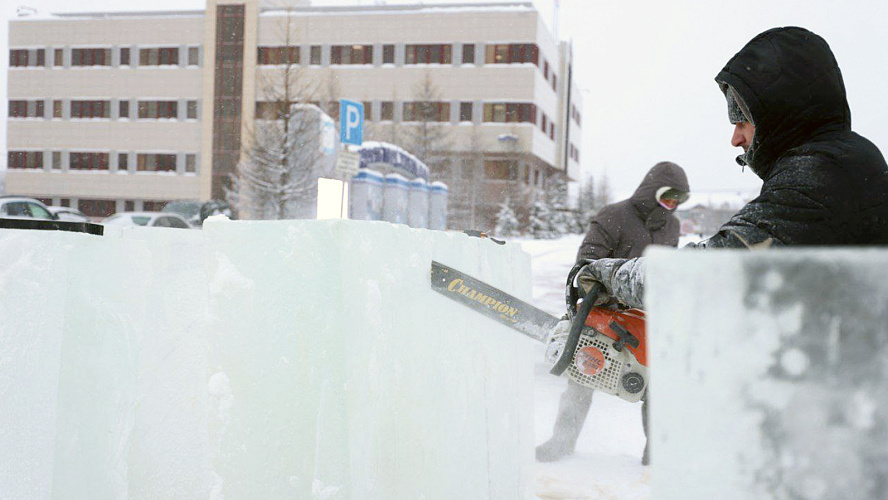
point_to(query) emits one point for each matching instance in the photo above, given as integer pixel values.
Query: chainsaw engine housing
(598, 364)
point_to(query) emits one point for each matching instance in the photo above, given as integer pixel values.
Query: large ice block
(293, 359)
(769, 374)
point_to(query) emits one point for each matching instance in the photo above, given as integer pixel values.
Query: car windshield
(141, 220)
(185, 209)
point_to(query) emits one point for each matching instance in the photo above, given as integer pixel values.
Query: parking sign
(351, 122)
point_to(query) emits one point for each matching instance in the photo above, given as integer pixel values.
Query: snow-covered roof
(421, 8)
(382, 153)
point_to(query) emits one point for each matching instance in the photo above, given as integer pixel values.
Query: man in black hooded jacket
(823, 184)
(623, 229)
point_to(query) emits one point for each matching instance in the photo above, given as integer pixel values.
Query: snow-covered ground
(607, 462)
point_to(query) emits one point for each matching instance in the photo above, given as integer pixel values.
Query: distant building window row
(84, 109)
(511, 112)
(513, 53)
(427, 54)
(103, 56)
(508, 53)
(90, 57)
(90, 109)
(92, 160)
(22, 58)
(278, 55)
(26, 109)
(351, 54)
(24, 159)
(426, 111)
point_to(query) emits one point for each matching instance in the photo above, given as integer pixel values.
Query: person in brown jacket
(620, 230)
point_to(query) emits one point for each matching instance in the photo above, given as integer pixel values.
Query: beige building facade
(126, 111)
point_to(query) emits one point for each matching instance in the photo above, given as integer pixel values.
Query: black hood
(792, 86)
(663, 174)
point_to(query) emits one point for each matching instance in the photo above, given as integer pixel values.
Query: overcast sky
(646, 70)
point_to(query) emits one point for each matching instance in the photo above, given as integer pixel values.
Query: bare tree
(426, 138)
(282, 153)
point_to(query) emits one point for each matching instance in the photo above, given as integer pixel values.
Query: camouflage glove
(621, 279)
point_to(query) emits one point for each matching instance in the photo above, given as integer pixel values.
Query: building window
(152, 162)
(194, 56)
(56, 160)
(26, 109)
(96, 208)
(191, 110)
(426, 111)
(129, 206)
(156, 110)
(24, 159)
(502, 170)
(368, 110)
(191, 163)
(159, 56)
(122, 161)
(284, 55)
(510, 112)
(20, 58)
(575, 114)
(56, 109)
(90, 57)
(428, 54)
(465, 111)
(468, 53)
(124, 56)
(512, 53)
(123, 109)
(554, 81)
(552, 130)
(386, 111)
(351, 54)
(88, 161)
(153, 205)
(90, 109)
(58, 57)
(388, 54)
(315, 55)
(544, 123)
(271, 110)
(546, 70)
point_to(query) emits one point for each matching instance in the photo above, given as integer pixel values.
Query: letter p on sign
(351, 122)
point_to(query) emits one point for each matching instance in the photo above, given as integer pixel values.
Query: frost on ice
(285, 359)
(769, 374)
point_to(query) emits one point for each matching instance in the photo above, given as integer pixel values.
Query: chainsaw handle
(571, 291)
(577, 323)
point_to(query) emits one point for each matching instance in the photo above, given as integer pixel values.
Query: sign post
(351, 133)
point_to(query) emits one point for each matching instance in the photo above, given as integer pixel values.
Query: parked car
(69, 214)
(195, 212)
(20, 207)
(151, 219)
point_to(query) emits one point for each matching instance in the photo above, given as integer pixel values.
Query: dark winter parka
(624, 229)
(823, 184)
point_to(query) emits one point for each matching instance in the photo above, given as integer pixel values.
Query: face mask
(670, 198)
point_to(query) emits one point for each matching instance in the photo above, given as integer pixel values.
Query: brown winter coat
(624, 229)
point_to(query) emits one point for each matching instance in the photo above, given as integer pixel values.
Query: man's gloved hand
(587, 277)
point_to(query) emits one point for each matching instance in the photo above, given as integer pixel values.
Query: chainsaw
(598, 347)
